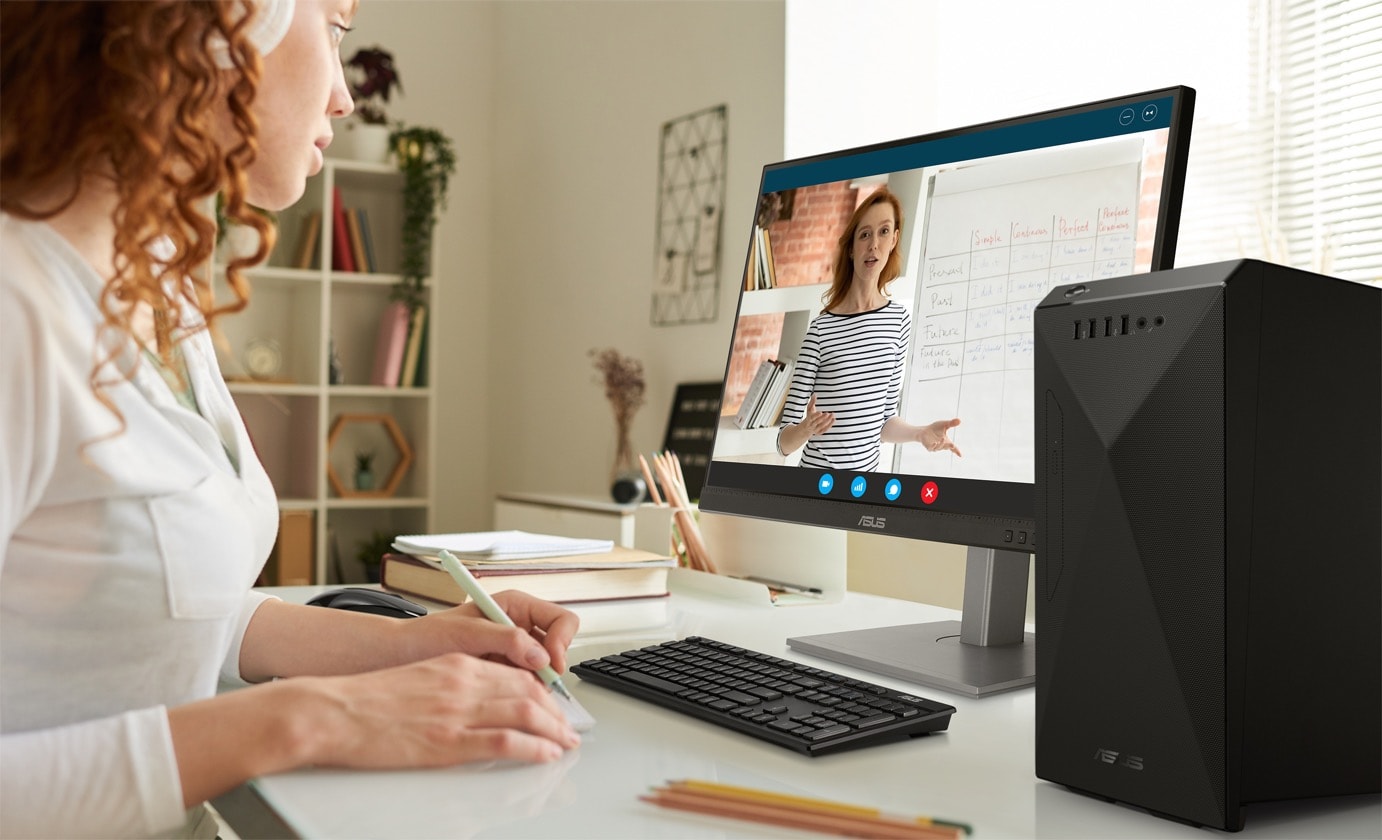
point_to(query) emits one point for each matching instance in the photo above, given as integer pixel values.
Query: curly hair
(843, 274)
(131, 93)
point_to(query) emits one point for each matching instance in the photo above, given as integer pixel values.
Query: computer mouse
(374, 601)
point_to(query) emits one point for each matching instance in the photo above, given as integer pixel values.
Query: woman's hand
(445, 710)
(543, 633)
(936, 436)
(813, 423)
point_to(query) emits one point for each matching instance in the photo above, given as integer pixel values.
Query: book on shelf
(367, 239)
(307, 240)
(770, 264)
(643, 575)
(390, 345)
(420, 374)
(751, 267)
(408, 377)
(753, 397)
(357, 244)
(342, 257)
(774, 396)
(293, 556)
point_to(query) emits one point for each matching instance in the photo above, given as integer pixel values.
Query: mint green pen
(495, 613)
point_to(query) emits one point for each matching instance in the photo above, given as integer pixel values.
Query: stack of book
(761, 272)
(767, 393)
(400, 347)
(559, 569)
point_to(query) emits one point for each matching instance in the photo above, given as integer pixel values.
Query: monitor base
(931, 655)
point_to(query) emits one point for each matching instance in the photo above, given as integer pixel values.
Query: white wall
(581, 92)
(546, 249)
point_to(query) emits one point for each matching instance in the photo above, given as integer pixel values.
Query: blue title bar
(1131, 117)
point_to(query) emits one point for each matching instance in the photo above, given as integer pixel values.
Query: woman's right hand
(814, 423)
(449, 709)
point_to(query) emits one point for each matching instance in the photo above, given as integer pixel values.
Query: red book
(342, 259)
(389, 347)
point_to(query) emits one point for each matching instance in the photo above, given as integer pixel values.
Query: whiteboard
(997, 236)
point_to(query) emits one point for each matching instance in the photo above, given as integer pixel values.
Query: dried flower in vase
(624, 384)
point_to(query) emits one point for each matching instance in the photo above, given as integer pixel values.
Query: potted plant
(427, 160)
(371, 554)
(364, 469)
(372, 79)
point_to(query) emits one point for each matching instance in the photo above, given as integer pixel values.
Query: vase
(626, 479)
(366, 142)
(364, 479)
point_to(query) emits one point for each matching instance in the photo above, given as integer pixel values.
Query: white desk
(979, 771)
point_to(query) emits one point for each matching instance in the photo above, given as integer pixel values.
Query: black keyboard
(786, 703)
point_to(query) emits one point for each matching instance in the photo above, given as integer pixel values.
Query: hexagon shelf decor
(389, 486)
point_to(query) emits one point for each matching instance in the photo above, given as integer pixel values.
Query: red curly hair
(131, 92)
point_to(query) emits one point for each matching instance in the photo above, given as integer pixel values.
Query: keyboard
(806, 709)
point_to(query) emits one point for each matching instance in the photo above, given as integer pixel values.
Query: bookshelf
(301, 313)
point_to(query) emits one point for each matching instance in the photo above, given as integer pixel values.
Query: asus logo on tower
(878, 523)
(1132, 762)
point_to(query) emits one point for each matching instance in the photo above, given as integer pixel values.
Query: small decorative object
(263, 359)
(372, 79)
(335, 374)
(376, 430)
(364, 469)
(624, 386)
(427, 160)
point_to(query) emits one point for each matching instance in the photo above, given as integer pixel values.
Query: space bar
(652, 682)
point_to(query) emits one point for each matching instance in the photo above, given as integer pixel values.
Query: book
(307, 240)
(368, 239)
(342, 258)
(754, 395)
(410, 575)
(390, 344)
(774, 396)
(357, 245)
(413, 349)
(420, 375)
(293, 556)
(504, 546)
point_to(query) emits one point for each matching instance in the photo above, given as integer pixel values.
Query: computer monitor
(992, 217)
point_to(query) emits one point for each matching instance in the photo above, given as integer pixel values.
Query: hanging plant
(427, 161)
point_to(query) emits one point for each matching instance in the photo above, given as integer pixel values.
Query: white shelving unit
(290, 415)
(798, 305)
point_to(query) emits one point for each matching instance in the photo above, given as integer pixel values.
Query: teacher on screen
(842, 402)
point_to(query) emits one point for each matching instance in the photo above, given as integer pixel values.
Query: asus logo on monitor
(877, 523)
(1112, 325)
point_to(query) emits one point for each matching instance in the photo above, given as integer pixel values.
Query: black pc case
(1209, 531)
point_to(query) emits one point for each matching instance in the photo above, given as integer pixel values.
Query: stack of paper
(499, 546)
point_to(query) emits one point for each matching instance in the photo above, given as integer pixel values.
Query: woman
(842, 403)
(134, 515)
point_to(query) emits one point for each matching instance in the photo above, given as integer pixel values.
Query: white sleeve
(27, 393)
(230, 668)
(113, 777)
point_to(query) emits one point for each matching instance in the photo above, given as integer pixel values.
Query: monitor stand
(985, 653)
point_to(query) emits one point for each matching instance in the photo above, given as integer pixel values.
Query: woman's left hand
(544, 631)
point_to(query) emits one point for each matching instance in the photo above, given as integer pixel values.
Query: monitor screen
(880, 372)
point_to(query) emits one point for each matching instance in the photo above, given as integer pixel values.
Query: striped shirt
(853, 364)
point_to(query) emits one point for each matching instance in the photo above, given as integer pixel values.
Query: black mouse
(370, 601)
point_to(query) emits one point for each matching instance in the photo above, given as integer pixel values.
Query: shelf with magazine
(305, 353)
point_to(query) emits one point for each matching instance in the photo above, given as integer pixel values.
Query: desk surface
(979, 771)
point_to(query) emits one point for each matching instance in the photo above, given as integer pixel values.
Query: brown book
(357, 244)
(410, 575)
(307, 241)
(293, 556)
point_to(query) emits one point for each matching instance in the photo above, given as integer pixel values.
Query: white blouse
(126, 556)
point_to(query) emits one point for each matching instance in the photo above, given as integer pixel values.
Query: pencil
(648, 477)
(737, 791)
(795, 812)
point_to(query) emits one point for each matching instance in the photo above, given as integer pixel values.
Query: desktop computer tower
(1209, 539)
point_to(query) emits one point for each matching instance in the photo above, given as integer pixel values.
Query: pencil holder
(652, 528)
